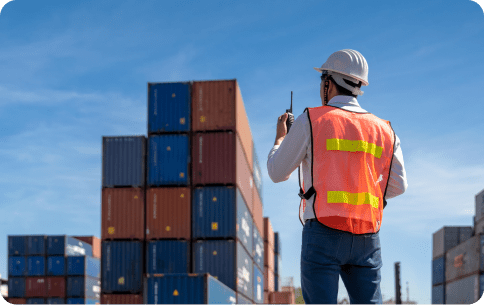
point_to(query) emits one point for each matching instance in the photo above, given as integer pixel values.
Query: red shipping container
(283, 297)
(35, 287)
(121, 299)
(258, 211)
(266, 297)
(16, 300)
(123, 213)
(56, 286)
(94, 242)
(268, 256)
(218, 105)
(218, 158)
(268, 232)
(168, 213)
(269, 284)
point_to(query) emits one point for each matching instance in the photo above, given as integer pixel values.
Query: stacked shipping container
(269, 279)
(53, 269)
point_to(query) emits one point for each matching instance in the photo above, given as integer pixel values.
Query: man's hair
(344, 91)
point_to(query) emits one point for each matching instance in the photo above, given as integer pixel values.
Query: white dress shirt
(295, 149)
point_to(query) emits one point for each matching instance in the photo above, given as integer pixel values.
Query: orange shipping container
(268, 256)
(168, 213)
(268, 279)
(121, 299)
(218, 105)
(283, 297)
(94, 242)
(122, 213)
(16, 300)
(268, 232)
(218, 158)
(258, 210)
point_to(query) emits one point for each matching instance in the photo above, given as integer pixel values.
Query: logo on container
(245, 227)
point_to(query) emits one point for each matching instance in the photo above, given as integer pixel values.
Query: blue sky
(74, 71)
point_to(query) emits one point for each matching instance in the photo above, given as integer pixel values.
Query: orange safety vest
(351, 159)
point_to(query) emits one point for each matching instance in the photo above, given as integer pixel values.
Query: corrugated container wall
(463, 260)
(124, 161)
(35, 287)
(56, 301)
(169, 106)
(82, 301)
(257, 174)
(94, 242)
(16, 300)
(445, 239)
(187, 289)
(122, 266)
(169, 160)
(16, 287)
(56, 265)
(258, 249)
(83, 287)
(220, 212)
(268, 232)
(243, 300)
(17, 245)
(438, 271)
(168, 256)
(121, 299)
(277, 243)
(480, 206)
(17, 266)
(168, 213)
(269, 256)
(277, 264)
(268, 279)
(218, 105)
(36, 265)
(257, 210)
(258, 285)
(283, 297)
(35, 301)
(56, 286)
(277, 282)
(68, 246)
(228, 261)
(463, 291)
(123, 213)
(438, 294)
(36, 245)
(84, 265)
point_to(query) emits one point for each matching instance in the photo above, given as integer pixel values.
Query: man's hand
(281, 129)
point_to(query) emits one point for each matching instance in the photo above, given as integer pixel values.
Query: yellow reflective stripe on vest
(352, 198)
(353, 146)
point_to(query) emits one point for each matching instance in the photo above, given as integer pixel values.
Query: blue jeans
(328, 253)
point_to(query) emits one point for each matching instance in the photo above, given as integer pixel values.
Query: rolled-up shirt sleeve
(285, 158)
(397, 183)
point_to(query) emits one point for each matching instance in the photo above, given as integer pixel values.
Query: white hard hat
(349, 63)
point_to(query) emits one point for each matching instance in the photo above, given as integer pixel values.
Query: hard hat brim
(363, 82)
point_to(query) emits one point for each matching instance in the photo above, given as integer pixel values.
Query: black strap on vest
(308, 194)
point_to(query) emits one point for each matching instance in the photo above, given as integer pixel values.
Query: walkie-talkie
(290, 117)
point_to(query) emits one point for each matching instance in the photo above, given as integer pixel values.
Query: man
(351, 164)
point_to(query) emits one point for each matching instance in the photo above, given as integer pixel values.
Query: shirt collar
(346, 102)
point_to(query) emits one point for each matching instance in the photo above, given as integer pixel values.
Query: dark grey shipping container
(480, 206)
(447, 238)
(227, 261)
(463, 291)
(438, 294)
(124, 160)
(463, 260)
(438, 271)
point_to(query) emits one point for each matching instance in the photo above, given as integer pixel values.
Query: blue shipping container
(84, 265)
(122, 266)
(36, 265)
(169, 160)
(68, 246)
(258, 285)
(187, 289)
(36, 245)
(277, 244)
(243, 300)
(258, 248)
(277, 284)
(56, 301)
(83, 287)
(17, 245)
(169, 106)
(277, 264)
(56, 265)
(17, 266)
(124, 161)
(221, 212)
(438, 271)
(35, 301)
(227, 261)
(82, 301)
(16, 287)
(168, 256)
